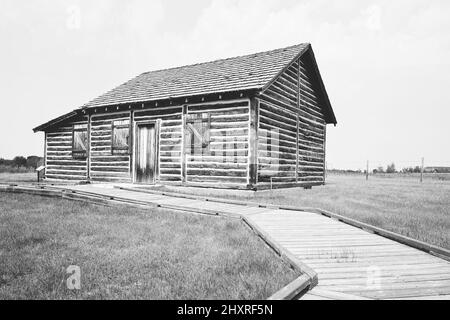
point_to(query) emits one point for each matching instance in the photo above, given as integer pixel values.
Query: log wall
(226, 161)
(60, 165)
(104, 165)
(312, 131)
(291, 131)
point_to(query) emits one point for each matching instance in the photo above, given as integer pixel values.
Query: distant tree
(408, 170)
(19, 161)
(33, 161)
(417, 169)
(391, 168)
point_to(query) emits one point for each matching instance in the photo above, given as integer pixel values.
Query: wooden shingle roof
(245, 73)
(248, 72)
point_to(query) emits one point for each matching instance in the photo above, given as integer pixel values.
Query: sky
(385, 64)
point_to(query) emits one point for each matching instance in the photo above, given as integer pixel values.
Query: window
(197, 133)
(80, 141)
(121, 137)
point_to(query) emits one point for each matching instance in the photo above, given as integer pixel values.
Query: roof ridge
(225, 59)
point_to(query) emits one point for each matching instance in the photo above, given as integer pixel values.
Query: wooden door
(146, 164)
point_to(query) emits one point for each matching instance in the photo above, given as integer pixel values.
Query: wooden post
(131, 145)
(421, 170)
(183, 146)
(253, 144)
(88, 164)
(367, 170)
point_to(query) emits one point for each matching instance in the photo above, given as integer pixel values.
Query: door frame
(137, 124)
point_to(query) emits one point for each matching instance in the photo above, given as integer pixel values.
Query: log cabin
(250, 122)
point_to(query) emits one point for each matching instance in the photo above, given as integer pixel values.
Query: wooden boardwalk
(351, 263)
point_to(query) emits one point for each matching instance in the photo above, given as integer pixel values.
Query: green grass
(129, 253)
(396, 203)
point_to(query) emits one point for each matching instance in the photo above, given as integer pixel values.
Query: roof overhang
(165, 102)
(55, 121)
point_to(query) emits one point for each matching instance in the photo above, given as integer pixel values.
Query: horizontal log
(289, 88)
(76, 173)
(169, 148)
(111, 179)
(166, 130)
(101, 133)
(171, 135)
(108, 123)
(169, 165)
(277, 148)
(63, 154)
(66, 167)
(228, 139)
(168, 118)
(274, 112)
(282, 105)
(288, 82)
(64, 134)
(266, 178)
(163, 112)
(287, 98)
(263, 160)
(229, 118)
(170, 159)
(110, 164)
(101, 138)
(282, 126)
(169, 178)
(110, 169)
(218, 106)
(281, 100)
(231, 180)
(276, 154)
(217, 165)
(211, 172)
(170, 123)
(228, 132)
(167, 154)
(110, 158)
(111, 174)
(54, 150)
(111, 116)
(233, 159)
(276, 168)
(64, 140)
(229, 153)
(65, 177)
(276, 173)
(163, 171)
(69, 162)
(102, 128)
(228, 125)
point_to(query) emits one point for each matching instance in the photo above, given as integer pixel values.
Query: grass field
(129, 253)
(18, 177)
(393, 202)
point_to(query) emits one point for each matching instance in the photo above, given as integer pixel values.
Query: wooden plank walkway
(351, 263)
